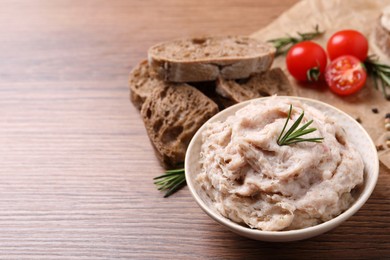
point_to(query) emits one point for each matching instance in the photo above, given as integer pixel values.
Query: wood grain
(76, 165)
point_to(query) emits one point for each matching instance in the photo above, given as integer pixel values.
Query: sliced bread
(142, 82)
(207, 58)
(263, 84)
(172, 114)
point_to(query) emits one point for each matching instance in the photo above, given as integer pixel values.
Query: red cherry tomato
(348, 42)
(306, 61)
(345, 75)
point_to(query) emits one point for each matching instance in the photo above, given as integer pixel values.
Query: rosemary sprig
(171, 181)
(283, 44)
(380, 73)
(293, 135)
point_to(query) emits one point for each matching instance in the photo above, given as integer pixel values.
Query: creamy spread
(385, 19)
(254, 181)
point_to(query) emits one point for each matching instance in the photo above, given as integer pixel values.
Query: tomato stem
(313, 74)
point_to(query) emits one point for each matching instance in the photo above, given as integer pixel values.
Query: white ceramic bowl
(357, 135)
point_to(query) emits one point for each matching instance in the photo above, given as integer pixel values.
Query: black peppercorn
(380, 148)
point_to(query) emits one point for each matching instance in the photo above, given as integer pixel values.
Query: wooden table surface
(76, 165)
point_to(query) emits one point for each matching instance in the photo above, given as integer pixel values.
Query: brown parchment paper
(332, 16)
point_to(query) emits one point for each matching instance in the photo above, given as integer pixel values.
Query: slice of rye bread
(172, 114)
(142, 81)
(382, 37)
(263, 84)
(207, 58)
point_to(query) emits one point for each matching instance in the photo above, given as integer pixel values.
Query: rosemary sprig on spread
(380, 73)
(171, 181)
(293, 135)
(283, 44)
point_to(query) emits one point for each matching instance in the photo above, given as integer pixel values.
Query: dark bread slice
(172, 114)
(142, 81)
(207, 58)
(382, 37)
(264, 84)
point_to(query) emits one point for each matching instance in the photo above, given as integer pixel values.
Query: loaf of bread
(172, 114)
(382, 32)
(207, 58)
(263, 84)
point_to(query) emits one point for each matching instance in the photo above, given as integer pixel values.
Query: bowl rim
(317, 229)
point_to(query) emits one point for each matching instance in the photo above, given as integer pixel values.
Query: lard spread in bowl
(244, 176)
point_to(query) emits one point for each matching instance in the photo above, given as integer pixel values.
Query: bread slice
(382, 37)
(142, 82)
(263, 84)
(207, 58)
(172, 114)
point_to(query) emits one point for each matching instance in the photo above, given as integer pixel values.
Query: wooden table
(76, 165)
